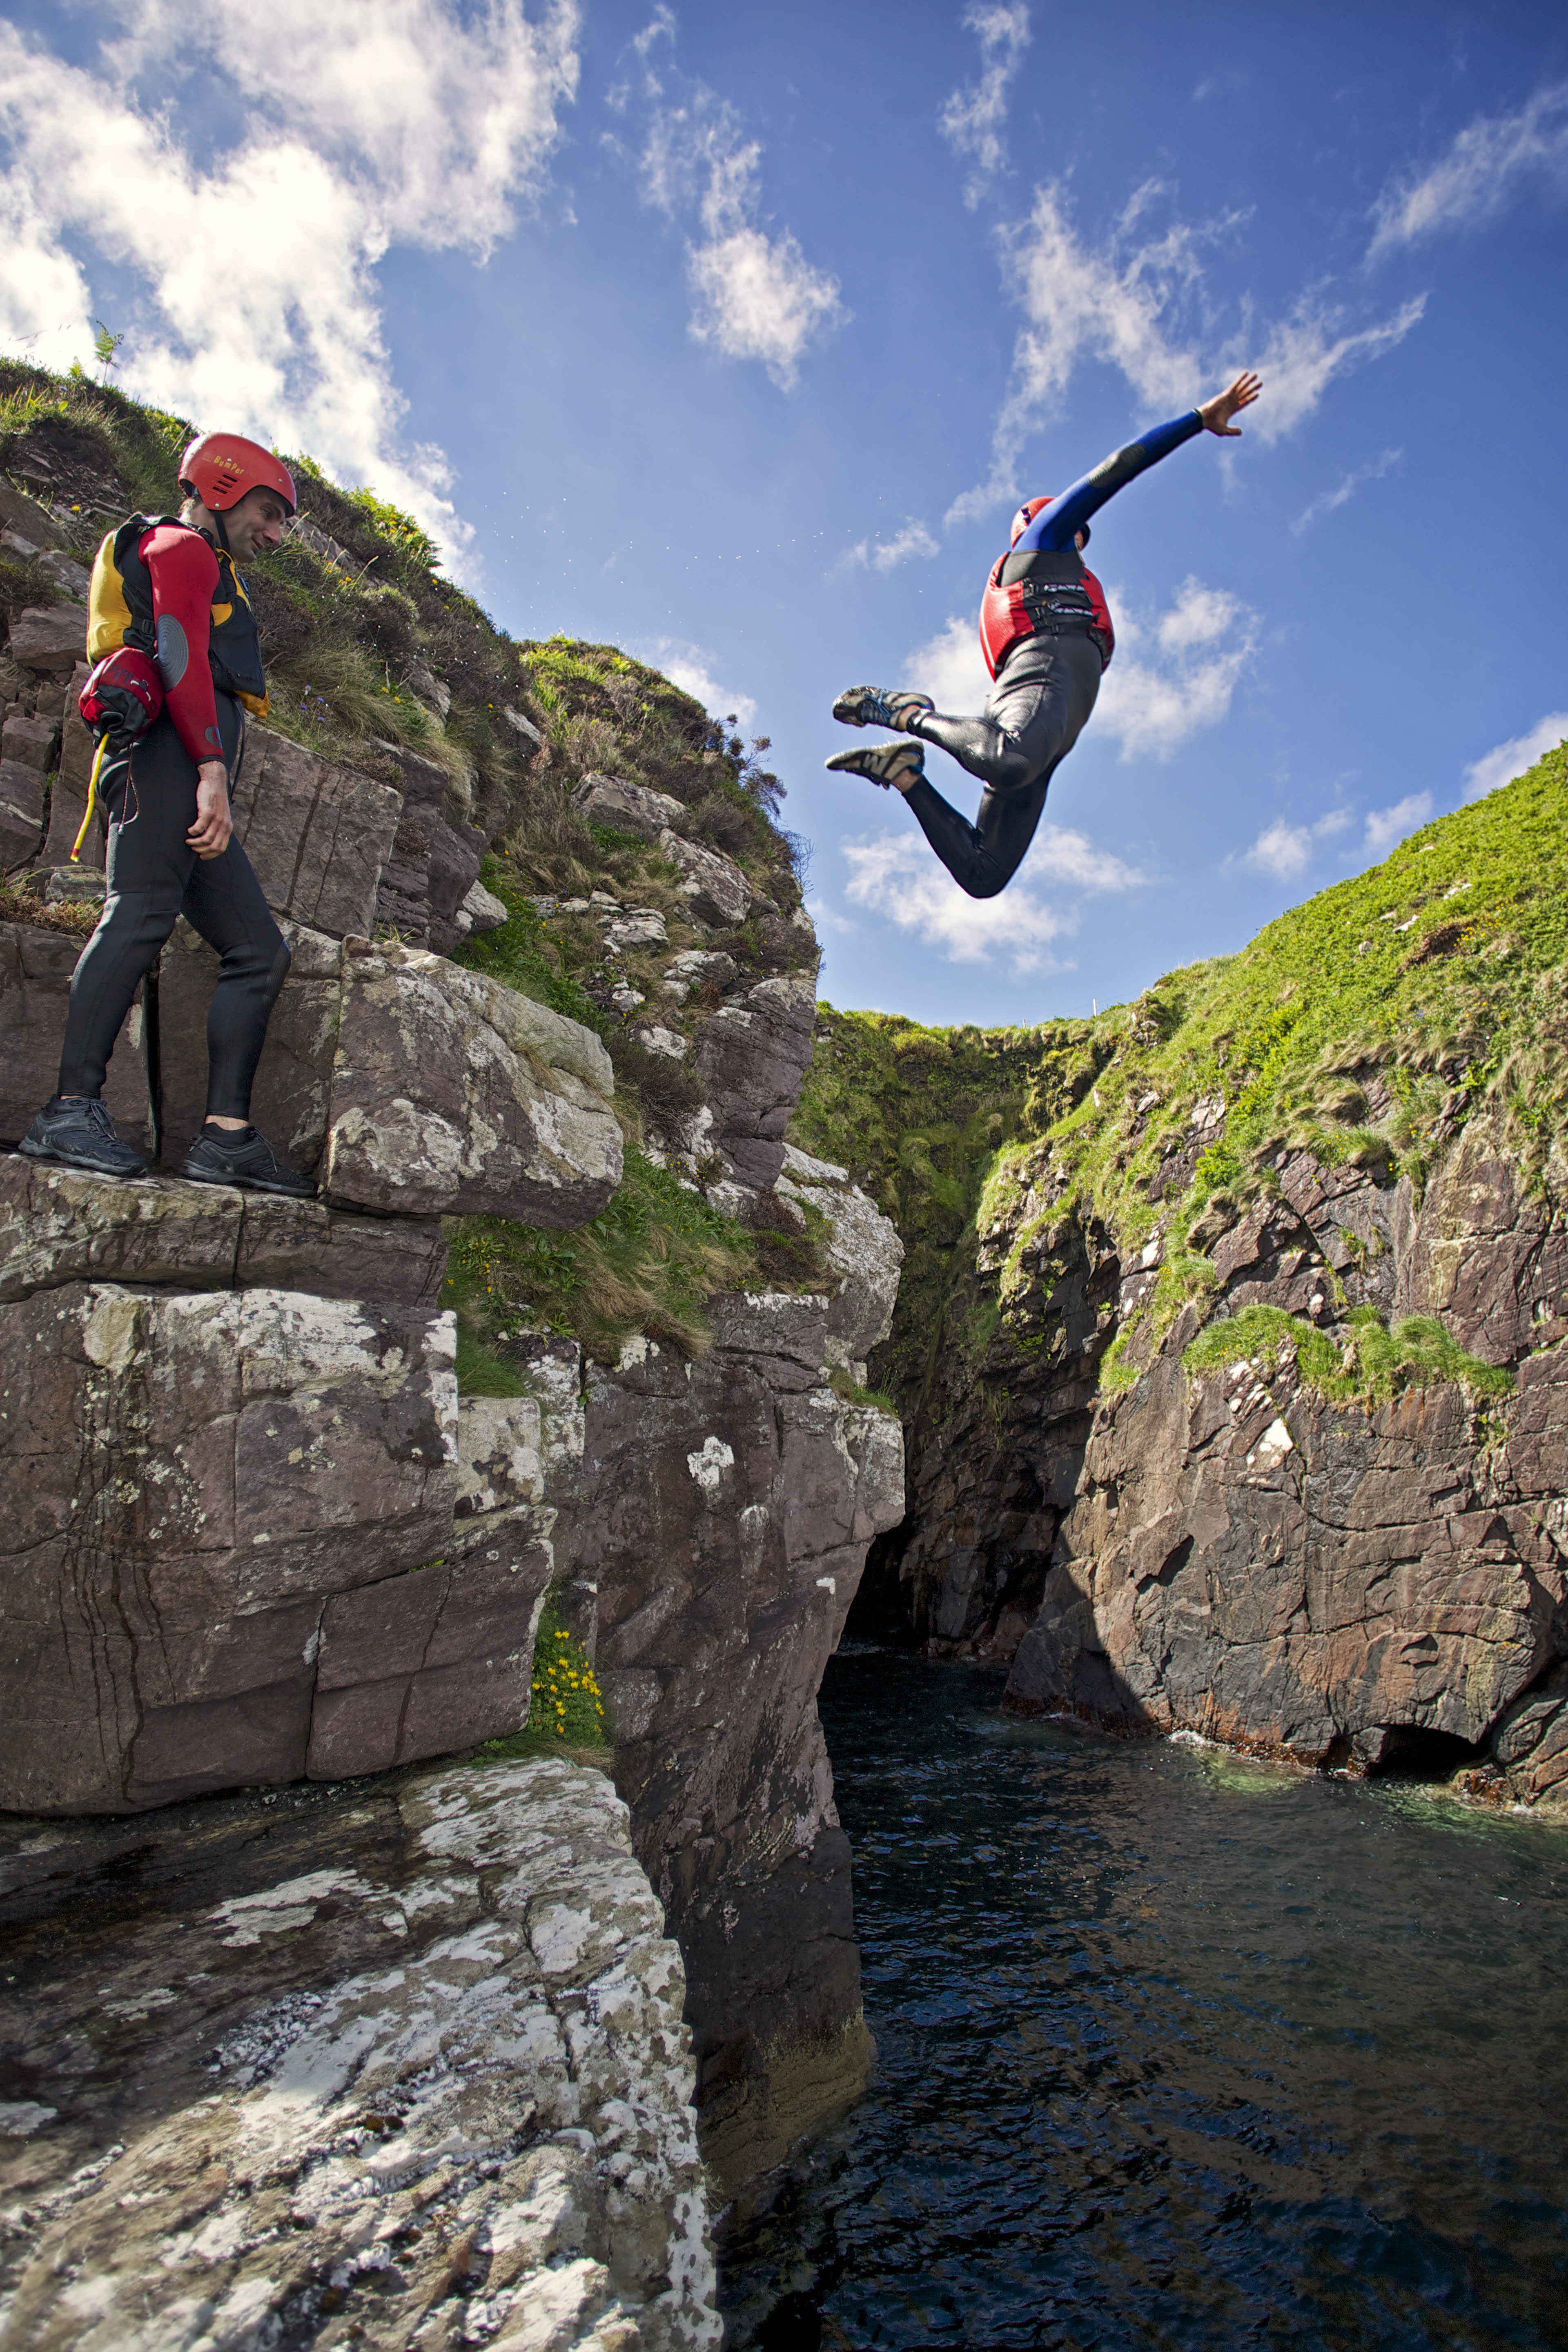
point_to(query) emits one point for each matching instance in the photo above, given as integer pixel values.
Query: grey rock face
(626, 808)
(49, 636)
(209, 1580)
(401, 2066)
(434, 860)
(750, 1057)
(318, 833)
(452, 1093)
(1245, 1560)
(59, 1225)
(291, 1103)
(865, 1253)
(722, 1525)
(718, 891)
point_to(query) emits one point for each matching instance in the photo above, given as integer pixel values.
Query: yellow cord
(91, 799)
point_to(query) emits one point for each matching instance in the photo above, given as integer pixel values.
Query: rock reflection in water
(1177, 2049)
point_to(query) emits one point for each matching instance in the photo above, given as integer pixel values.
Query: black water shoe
(76, 1131)
(222, 1155)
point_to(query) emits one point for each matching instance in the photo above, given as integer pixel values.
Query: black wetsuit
(1045, 690)
(154, 877)
(165, 588)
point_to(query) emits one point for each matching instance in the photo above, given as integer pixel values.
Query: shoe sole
(80, 1160)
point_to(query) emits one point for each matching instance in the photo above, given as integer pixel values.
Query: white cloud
(950, 667)
(1386, 826)
(1139, 301)
(1481, 171)
(690, 668)
(828, 918)
(1329, 501)
(1511, 760)
(971, 120)
(897, 877)
(396, 121)
(883, 554)
(1285, 850)
(1174, 678)
(755, 297)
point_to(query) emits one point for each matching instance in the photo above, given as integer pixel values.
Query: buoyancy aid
(120, 612)
(1038, 592)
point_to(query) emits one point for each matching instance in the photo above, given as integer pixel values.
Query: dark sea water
(1176, 2050)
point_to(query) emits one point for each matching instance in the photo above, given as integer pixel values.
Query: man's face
(257, 522)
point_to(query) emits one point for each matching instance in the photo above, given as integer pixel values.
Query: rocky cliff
(1232, 1335)
(294, 1481)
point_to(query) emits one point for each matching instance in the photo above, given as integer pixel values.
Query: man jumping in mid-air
(1045, 630)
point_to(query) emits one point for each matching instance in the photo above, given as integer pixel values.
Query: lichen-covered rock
(626, 808)
(433, 862)
(400, 2067)
(864, 1251)
(452, 1093)
(714, 884)
(195, 1476)
(721, 1523)
(317, 832)
(751, 1059)
(36, 968)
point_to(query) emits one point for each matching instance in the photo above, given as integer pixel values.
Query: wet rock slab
(400, 2063)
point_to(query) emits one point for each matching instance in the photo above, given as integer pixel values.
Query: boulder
(402, 2065)
(635, 926)
(60, 1225)
(750, 1057)
(626, 808)
(318, 833)
(480, 911)
(864, 1252)
(36, 968)
(712, 884)
(30, 742)
(452, 1093)
(49, 636)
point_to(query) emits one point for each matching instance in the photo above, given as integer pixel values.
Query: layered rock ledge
(398, 2065)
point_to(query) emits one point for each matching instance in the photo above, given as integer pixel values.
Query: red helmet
(1026, 515)
(219, 468)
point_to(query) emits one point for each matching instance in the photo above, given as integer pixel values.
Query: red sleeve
(184, 572)
(1099, 628)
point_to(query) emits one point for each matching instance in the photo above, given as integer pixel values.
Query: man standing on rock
(1045, 633)
(168, 590)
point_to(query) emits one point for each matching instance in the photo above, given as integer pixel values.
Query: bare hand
(1217, 413)
(209, 834)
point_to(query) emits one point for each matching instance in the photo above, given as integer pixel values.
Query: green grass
(566, 1710)
(1371, 1365)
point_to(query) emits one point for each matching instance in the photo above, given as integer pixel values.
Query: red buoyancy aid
(1042, 591)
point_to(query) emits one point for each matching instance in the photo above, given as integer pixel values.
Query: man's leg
(1034, 715)
(149, 809)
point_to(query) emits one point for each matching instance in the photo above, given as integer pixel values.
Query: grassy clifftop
(1366, 1025)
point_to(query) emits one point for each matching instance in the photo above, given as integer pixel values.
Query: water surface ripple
(1176, 2050)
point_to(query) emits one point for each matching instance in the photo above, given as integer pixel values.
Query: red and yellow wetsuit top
(160, 585)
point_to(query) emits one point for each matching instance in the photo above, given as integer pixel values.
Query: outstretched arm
(1056, 526)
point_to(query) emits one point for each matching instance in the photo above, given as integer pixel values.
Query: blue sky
(733, 335)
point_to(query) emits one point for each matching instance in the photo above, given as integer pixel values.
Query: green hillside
(1366, 1025)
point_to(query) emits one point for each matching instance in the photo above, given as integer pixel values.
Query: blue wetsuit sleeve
(1054, 527)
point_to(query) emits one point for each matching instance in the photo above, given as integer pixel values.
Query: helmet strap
(222, 530)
